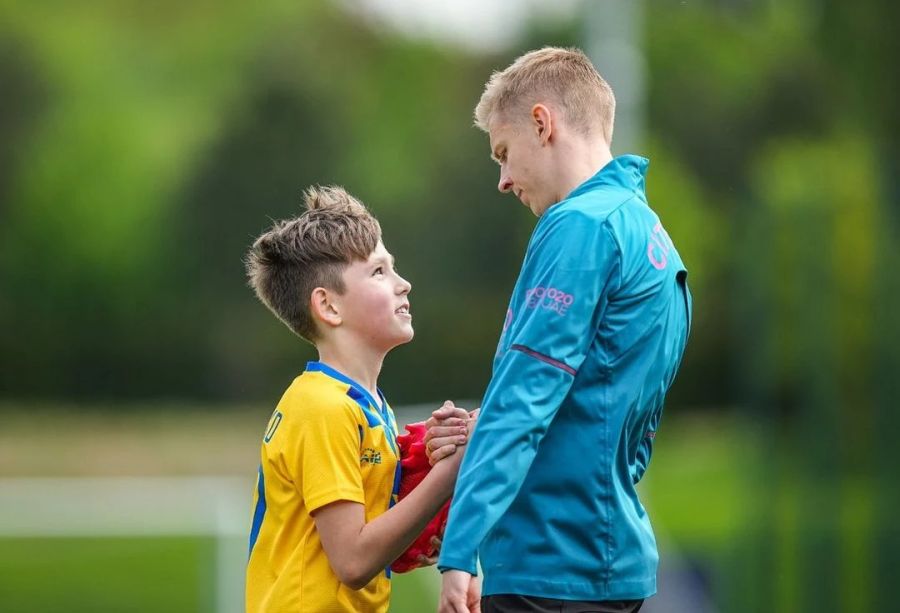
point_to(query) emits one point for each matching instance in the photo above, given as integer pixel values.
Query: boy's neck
(359, 363)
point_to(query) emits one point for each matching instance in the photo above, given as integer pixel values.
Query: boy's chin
(403, 339)
(387, 343)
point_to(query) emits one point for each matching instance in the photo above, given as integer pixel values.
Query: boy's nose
(505, 184)
(405, 286)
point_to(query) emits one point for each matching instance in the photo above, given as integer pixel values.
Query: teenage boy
(327, 524)
(592, 339)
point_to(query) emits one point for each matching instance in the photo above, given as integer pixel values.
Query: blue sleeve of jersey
(571, 264)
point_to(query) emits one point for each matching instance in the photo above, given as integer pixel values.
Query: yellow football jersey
(327, 440)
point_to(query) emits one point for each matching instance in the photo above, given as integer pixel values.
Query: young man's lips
(403, 310)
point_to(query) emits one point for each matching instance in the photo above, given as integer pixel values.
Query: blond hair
(562, 76)
(295, 256)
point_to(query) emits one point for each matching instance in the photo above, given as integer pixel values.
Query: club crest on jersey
(370, 456)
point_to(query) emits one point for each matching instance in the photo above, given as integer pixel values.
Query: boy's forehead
(380, 252)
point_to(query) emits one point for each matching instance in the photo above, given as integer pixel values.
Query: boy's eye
(379, 270)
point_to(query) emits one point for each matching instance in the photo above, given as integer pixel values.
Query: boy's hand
(448, 427)
(433, 559)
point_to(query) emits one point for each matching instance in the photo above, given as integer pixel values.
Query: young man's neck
(582, 159)
(361, 364)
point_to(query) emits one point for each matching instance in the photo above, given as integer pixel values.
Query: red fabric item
(413, 468)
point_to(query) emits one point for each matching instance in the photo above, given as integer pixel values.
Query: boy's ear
(324, 308)
(542, 122)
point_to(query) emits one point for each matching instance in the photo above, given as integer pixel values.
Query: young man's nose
(505, 184)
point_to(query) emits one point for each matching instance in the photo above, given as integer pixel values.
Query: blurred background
(144, 145)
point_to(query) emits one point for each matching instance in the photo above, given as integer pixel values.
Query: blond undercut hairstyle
(556, 76)
(295, 256)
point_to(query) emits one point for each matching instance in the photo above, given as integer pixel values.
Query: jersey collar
(324, 368)
(626, 171)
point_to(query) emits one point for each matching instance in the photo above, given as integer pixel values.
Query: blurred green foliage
(144, 149)
(150, 147)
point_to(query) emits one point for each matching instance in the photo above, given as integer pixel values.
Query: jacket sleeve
(645, 449)
(571, 264)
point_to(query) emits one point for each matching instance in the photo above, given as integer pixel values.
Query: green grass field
(696, 459)
(71, 575)
(106, 574)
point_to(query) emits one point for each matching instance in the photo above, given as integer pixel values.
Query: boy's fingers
(438, 445)
(440, 453)
(426, 561)
(431, 423)
(442, 441)
(448, 409)
(441, 414)
(446, 431)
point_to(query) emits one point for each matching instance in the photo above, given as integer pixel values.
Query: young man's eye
(379, 270)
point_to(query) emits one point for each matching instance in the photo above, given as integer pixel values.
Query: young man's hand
(460, 593)
(448, 427)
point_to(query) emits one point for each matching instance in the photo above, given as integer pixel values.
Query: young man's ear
(542, 122)
(324, 307)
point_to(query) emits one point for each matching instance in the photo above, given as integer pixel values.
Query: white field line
(125, 506)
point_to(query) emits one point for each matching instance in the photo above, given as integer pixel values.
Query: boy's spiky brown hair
(295, 256)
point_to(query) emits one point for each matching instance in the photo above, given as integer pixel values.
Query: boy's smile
(375, 305)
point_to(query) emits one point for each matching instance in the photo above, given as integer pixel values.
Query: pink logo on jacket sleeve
(658, 247)
(548, 298)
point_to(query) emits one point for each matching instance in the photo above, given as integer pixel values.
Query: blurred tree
(160, 143)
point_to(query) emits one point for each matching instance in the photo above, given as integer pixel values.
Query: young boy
(327, 523)
(592, 339)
